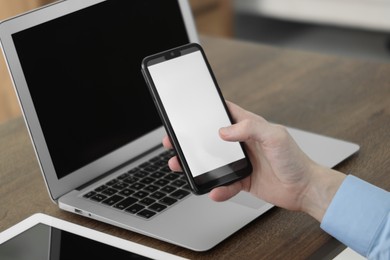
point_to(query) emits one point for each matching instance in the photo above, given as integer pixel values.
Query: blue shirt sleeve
(359, 217)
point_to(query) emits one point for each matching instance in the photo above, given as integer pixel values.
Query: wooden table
(343, 98)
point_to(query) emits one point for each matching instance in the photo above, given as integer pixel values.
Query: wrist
(322, 187)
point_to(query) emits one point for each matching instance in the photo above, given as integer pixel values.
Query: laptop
(97, 136)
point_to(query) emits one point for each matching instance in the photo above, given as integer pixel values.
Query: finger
(167, 142)
(244, 120)
(174, 164)
(252, 129)
(225, 192)
(236, 111)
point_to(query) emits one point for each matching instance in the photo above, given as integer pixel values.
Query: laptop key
(141, 174)
(89, 194)
(151, 188)
(126, 192)
(131, 180)
(158, 195)
(135, 208)
(134, 170)
(166, 169)
(101, 188)
(123, 176)
(151, 168)
(125, 203)
(137, 186)
(157, 207)
(146, 214)
(161, 182)
(120, 186)
(155, 159)
(112, 200)
(160, 163)
(112, 182)
(158, 174)
(140, 194)
(180, 194)
(187, 187)
(147, 201)
(179, 183)
(168, 189)
(98, 197)
(168, 201)
(147, 180)
(172, 176)
(109, 191)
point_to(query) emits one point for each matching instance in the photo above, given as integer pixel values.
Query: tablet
(44, 237)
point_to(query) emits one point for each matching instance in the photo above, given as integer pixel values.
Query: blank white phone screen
(195, 111)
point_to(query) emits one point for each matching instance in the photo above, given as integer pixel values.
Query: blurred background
(357, 29)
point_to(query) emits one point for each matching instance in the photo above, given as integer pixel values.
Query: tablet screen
(43, 242)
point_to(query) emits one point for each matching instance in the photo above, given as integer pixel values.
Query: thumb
(228, 133)
(239, 132)
(250, 129)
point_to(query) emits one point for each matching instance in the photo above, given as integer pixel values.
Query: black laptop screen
(83, 73)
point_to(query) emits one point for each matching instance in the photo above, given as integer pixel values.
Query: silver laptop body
(75, 66)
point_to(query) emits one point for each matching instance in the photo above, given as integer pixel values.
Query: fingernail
(225, 130)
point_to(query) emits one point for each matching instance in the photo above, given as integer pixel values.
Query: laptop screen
(83, 74)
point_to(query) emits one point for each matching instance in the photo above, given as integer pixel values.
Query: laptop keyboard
(144, 191)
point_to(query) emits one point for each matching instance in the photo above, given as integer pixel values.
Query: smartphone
(193, 110)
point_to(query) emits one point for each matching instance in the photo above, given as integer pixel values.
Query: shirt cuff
(356, 214)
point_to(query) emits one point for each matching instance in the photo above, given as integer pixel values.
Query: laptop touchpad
(248, 200)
